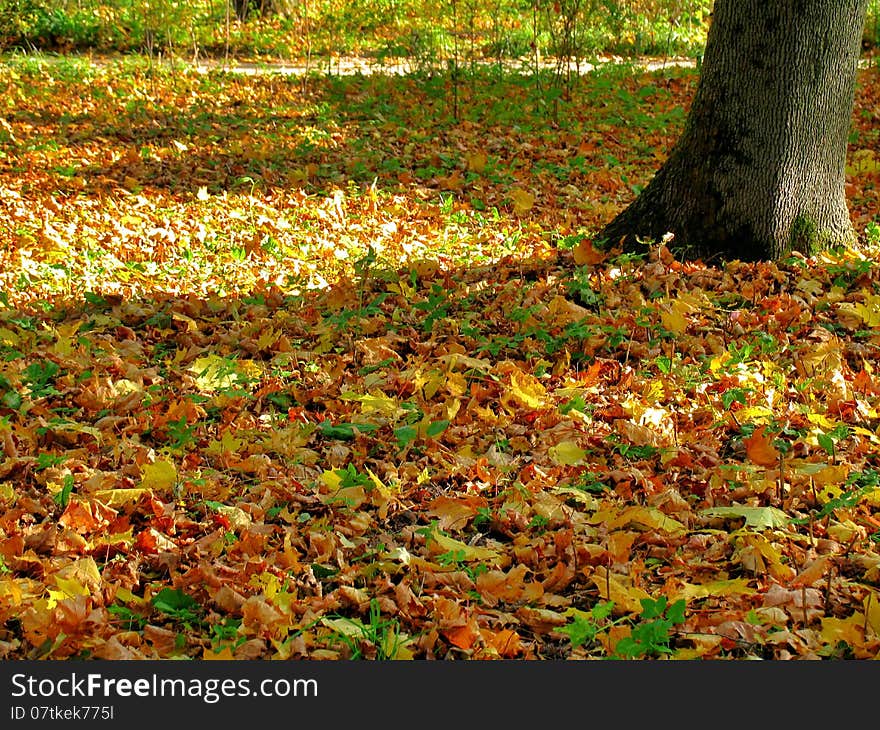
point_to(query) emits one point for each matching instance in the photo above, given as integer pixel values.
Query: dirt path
(350, 66)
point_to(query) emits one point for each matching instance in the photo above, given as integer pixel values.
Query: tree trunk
(759, 169)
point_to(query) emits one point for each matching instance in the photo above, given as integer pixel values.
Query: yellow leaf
(848, 630)
(456, 359)
(615, 588)
(55, 597)
(160, 476)
(228, 444)
(383, 489)
(672, 317)
(754, 413)
(442, 544)
(331, 478)
(203, 193)
(8, 337)
(78, 578)
(760, 517)
(11, 591)
(396, 647)
(862, 162)
(820, 359)
(477, 162)
(845, 531)
(757, 554)
(345, 626)
(822, 421)
(225, 654)
(66, 339)
(872, 611)
(455, 383)
(585, 498)
(71, 587)
(126, 596)
(238, 518)
(567, 452)
(268, 338)
(381, 496)
(867, 311)
(831, 475)
(214, 372)
(870, 310)
(525, 390)
(718, 588)
(77, 428)
(377, 402)
(654, 519)
(120, 497)
(522, 201)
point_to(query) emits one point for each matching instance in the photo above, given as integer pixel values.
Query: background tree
(759, 169)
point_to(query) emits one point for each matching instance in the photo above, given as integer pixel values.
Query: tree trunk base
(759, 169)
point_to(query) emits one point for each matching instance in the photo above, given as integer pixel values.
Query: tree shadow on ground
(226, 132)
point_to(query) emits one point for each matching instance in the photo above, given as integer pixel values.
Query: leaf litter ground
(309, 369)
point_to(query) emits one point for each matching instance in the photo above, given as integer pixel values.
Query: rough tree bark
(759, 169)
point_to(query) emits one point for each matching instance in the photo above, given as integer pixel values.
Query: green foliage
(584, 626)
(427, 34)
(62, 498)
(581, 288)
(649, 636)
(377, 638)
(177, 605)
(128, 619)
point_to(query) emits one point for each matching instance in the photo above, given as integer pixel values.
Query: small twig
(828, 583)
(608, 579)
(781, 481)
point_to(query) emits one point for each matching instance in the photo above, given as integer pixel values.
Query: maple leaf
(522, 201)
(567, 452)
(760, 517)
(159, 476)
(585, 254)
(760, 448)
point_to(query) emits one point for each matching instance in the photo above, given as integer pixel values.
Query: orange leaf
(505, 642)
(85, 516)
(586, 253)
(760, 448)
(462, 636)
(813, 573)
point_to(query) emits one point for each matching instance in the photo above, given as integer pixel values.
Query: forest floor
(329, 368)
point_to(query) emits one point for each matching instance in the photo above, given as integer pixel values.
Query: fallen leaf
(760, 448)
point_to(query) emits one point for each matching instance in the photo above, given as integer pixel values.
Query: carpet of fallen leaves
(310, 369)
